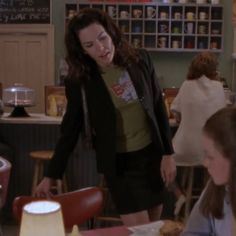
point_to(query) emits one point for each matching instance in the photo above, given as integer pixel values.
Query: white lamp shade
(42, 218)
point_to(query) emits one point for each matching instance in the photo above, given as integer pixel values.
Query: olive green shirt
(133, 132)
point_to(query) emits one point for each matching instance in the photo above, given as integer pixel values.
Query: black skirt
(138, 184)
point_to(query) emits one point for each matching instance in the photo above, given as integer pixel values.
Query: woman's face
(97, 43)
(217, 165)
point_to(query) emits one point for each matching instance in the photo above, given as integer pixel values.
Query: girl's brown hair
(221, 128)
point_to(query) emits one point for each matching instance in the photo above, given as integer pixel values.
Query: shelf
(163, 27)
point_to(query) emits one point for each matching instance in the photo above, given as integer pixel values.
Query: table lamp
(42, 218)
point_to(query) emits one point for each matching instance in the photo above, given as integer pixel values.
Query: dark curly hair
(204, 63)
(81, 64)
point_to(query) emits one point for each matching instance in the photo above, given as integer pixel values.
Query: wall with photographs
(171, 67)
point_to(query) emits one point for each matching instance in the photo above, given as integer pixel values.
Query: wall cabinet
(163, 27)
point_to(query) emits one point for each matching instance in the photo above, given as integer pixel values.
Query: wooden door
(26, 57)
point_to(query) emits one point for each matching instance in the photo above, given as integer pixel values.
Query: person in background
(127, 115)
(214, 214)
(198, 98)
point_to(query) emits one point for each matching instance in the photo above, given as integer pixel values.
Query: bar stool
(40, 157)
(187, 183)
(107, 215)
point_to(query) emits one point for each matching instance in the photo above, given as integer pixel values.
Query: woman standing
(127, 115)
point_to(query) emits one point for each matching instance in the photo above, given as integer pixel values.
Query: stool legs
(187, 183)
(38, 173)
(189, 191)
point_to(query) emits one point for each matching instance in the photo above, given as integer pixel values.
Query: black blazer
(103, 118)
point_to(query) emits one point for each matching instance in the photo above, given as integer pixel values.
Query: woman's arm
(168, 167)
(70, 128)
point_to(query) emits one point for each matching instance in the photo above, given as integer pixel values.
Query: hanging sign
(25, 11)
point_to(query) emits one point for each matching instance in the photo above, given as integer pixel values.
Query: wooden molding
(234, 13)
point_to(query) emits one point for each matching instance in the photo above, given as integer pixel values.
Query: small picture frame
(55, 100)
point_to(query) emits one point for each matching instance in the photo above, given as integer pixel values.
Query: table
(145, 229)
(138, 230)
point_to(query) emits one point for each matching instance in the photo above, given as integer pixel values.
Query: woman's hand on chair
(43, 189)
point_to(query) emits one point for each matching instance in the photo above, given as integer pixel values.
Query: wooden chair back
(77, 207)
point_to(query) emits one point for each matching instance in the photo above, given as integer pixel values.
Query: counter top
(34, 118)
(41, 118)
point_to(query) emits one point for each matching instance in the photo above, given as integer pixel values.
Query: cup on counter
(71, 14)
(151, 12)
(124, 14)
(162, 42)
(111, 11)
(175, 44)
(201, 45)
(163, 28)
(176, 30)
(189, 28)
(137, 42)
(137, 29)
(124, 28)
(163, 15)
(202, 29)
(214, 45)
(190, 15)
(215, 31)
(202, 15)
(177, 15)
(189, 44)
(137, 13)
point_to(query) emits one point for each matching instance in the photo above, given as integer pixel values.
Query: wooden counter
(40, 118)
(34, 118)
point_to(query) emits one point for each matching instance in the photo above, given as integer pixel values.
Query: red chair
(77, 207)
(5, 169)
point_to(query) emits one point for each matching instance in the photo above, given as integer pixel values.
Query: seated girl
(214, 214)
